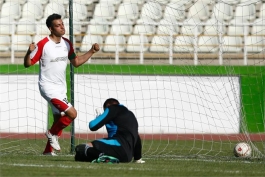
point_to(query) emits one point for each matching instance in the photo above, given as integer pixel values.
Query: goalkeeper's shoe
(106, 159)
(49, 153)
(139, 161)
(53, 139)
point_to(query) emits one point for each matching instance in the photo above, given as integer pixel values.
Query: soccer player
(53, 53)
(123, 141)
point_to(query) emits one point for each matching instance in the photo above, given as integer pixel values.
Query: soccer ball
(242, 150)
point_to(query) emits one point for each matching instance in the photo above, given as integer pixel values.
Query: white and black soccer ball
(242, 149)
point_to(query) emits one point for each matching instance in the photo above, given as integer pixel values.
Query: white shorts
(57, 98)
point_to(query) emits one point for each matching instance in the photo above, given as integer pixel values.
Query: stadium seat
(32, 10)
(113, 2)
(222, 11)
(167, 26)
(246, 11)
(152, 10)
(235, 27)
(113, 43)
(77, 28)
(184, 44)
(258, 27)
(255, 44)
(89, 40)
(232, 44)
(26, 26)
(103, 10)
(199, 10)
(20, 1)
(21, 42)
(231, 1)
(140, 2)
(83, 2)
(175, 10)
(42, 1)
(5, 26)
(144, 26)
(11, 10)
(208, 44)
(5, 43)
(193, 24)
(160, 44)
(163, 2)
(98, 26)
(121, 26)
(214, 27)
(136, 43)
(41, 28)
(128, 10)
(79, 11)
(183, 2)
(54, 7)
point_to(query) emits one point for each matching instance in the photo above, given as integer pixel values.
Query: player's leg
(86, 153)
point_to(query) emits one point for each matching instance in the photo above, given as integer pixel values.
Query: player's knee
(71, 113)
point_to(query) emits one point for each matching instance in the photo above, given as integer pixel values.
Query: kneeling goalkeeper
(123, 141)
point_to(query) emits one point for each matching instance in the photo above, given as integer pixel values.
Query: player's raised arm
(79, 60)
(27, 62)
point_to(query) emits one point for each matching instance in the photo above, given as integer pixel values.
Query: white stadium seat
(128, 10)
(26, 26)
(258, 27)
(144, 27)
(135, 43)
(183, 2)
(79, 11)
(192, 24)
(32, 10)
(113, 2)
(21, 42)
(255, 44)
(5, 26)
(42, 1)
(184, 44)
(77, 28)
(113, 43)
(54, 7)
(231, 1)
(199, 10)
(175, 10)
(5, 43)
(20, 1)
(246, 11)
(103, 10)
(121, 26)
(236, 28)
(98, 26)
(262, 11)
(168, 26)
(208, 44)
(89, 40)
(134, 1)
(232, 44)
(214, 27)
(11, 10)
(223, 11)
(160, 44)
(152, 10)
(41, 28)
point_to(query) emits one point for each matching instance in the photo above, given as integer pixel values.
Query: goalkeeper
(123, 141)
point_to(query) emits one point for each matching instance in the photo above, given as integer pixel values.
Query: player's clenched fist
(95, 47)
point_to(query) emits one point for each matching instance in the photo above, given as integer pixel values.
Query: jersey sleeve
(36, 54)
(71, 53)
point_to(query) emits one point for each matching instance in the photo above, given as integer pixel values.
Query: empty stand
(98, 26)
(19, 1)
(21, 42)
(232, 44)
(11, 10)
(32, 9)
(54, 7)
(152, 10)
(121, 26)
(26, 26)
(199, 10)
(128, 10)
(114, 43)
(246, 11)
(6, 27)
(5, 43)
(77, 27)
(236, 27)
(160, 44)
(168, 26)
(258, 27)
(104, 10)
(255, 44)
(175, 10)
(223, 11)
(145, 26)
(184, 44)
(191, 25)
(214, 27)
(89, 40)
(137, 43)
(208, 44)
(79, 11)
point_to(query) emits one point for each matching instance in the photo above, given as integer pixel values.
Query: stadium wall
(252, 82)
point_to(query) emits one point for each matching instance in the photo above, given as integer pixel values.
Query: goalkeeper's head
(109, 102)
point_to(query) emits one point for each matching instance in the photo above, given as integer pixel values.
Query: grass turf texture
(180, 158)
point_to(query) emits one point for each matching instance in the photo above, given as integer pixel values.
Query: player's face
(58, 28)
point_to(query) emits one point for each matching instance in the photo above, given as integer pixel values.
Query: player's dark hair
(51, 18)
(109, 102)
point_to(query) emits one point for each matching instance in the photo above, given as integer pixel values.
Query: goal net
(191, 71)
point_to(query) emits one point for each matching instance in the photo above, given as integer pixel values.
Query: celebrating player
(53, 53)
(123, 141)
